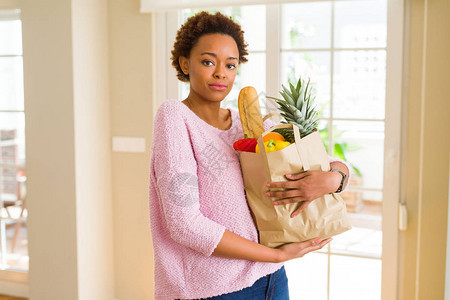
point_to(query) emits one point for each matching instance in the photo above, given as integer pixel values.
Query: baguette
(250, 112)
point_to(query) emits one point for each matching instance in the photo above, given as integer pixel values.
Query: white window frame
(165, 25)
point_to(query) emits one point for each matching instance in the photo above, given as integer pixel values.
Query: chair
(20, 203)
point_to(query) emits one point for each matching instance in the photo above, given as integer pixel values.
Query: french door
(352, 52)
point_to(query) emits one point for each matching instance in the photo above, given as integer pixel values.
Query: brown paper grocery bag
(324, 217)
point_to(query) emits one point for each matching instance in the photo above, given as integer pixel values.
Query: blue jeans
(270, 287)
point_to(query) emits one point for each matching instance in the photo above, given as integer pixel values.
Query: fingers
(326, 241)
(323, 243)
(282, 184)
(297, 250)
(293, 179)
(317, 244)
(290, 184)
(297, 176)
(288, 200)
(314, 242)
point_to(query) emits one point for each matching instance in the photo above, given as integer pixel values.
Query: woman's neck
(208, 111)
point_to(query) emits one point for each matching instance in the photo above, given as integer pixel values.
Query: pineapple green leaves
(297, 107)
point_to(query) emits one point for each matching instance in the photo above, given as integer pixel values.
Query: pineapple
(297, 107)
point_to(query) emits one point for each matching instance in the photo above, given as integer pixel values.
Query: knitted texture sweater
(196, 192)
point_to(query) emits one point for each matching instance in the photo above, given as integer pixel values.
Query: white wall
(92, 150)
(50, 149)
(130, 34)
(68, 156)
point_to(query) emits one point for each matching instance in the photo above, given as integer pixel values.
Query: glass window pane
(11, 37)
(359, 84)
(251, 18)
(253, 22)
(355, 278)
(251, 73)
(12, 138)
(365, 237)
(9, 189)
(306, 25)
(358, 200)
(16, 236)
(16, 243)
(14, 214)
(362, 144)
(186, 13)
(313, 65)
(324, 134)
(11, 83)
(307, 277)
(360, 24)
(184, 89)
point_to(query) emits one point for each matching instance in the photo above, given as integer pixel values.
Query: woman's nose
(219, 72)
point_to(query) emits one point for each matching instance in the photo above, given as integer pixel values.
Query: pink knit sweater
(196, 192)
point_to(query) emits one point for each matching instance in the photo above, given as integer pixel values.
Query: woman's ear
(184, 64)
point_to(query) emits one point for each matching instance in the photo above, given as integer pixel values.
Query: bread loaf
(250, 112)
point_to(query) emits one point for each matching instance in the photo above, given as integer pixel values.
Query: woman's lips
(218, 87)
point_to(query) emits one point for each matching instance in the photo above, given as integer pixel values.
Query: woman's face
(212, 67)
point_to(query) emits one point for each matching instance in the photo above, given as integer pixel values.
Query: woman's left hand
(304, 187)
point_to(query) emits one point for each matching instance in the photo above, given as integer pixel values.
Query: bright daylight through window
(341, 47)
(13, 212)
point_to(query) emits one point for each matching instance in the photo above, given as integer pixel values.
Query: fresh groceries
(292, 147)
(269, 145)
(272, 145)
(275, 143)
(250, 112)
(253, 127)
(281, 145)
(297, 107)
(246, 144)
(273, 136)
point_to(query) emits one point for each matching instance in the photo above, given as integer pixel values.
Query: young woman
(205, 242)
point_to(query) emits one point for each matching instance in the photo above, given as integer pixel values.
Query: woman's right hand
(296, 250)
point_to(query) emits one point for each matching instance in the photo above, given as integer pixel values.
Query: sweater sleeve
(175, 170)
(269, 123)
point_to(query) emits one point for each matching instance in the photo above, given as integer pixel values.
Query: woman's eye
(207, 63)
(232, 66)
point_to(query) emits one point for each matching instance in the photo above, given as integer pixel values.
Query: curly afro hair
(198, 25)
